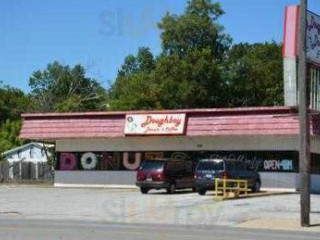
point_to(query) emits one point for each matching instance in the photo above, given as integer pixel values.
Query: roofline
(176, 111)
(37, 144)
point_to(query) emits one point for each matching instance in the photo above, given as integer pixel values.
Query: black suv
(209, 169)
(169, 174)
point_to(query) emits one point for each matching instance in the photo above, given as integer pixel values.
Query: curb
(283, 190)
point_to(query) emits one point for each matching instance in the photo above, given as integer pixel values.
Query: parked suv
(209, 169)
(169, 174)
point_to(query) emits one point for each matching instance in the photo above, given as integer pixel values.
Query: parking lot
(129, 206)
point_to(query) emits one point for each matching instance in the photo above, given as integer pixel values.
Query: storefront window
(315, 163)
(130, 161)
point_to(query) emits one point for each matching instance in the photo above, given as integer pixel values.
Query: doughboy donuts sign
(155, 124)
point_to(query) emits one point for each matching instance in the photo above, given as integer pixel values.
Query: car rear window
(210, 165)
(152, 165)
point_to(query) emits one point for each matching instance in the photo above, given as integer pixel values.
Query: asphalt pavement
(42, 213)
(127, 206)
(14, 229)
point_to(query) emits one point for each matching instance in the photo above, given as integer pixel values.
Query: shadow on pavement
(176, 193)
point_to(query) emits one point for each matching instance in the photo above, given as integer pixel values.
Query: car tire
(144, 190)
(171, 189)
(202, 192)
(256, 187)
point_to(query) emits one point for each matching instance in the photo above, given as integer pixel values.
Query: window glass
(241, 167)
(31, 152)
(189, 167)
(231, 166)
(210, 165)
(152, 165)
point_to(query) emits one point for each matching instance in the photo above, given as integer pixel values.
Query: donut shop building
(106, 148)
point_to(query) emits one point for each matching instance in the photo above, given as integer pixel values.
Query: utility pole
(304, 136)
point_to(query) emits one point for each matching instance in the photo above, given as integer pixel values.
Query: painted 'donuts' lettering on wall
(131, 161)
(131, 165)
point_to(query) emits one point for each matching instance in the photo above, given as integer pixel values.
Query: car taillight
(225, 175)
(140, 176)
(159, 177)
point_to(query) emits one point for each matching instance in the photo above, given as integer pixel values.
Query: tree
(60, 88)
(195, 29)
(187, 73)
(13, 102)
(194, 48)
(142, 63)
(194, 81)
(134, 87)
(254, 74)
(9, 135)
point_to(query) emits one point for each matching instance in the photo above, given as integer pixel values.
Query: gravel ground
(129, 206)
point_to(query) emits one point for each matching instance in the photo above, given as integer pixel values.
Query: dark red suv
(169, 174)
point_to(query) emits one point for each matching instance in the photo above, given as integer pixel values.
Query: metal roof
(198, 110)
(25, 146)
(199, 122)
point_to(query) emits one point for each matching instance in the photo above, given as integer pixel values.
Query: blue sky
(100, 33)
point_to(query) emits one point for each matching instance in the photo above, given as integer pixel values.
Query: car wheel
(144, 190)
(202, 192)
(256, 186)
(171, 189)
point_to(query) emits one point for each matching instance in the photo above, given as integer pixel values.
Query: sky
(99, 34)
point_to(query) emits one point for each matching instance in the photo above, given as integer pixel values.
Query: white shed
(34, 152)
(31, 152)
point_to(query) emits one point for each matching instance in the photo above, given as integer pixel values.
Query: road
(21, 229)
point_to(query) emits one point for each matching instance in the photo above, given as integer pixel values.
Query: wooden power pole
(304, 137)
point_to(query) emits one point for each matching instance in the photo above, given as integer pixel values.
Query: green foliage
(134, 87)
(255, 74)
(9, 132)
(196, 28)
(190, 82)
(60, 88)
(50, 155)
(199, 68)
(187, 73)
(12, 103)
(194, 46)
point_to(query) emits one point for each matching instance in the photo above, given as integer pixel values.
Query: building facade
(106, 148)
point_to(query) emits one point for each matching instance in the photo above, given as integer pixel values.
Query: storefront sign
(291, 30)
(313, 37)
(290, 56)
(155, 124)
(278, 165)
